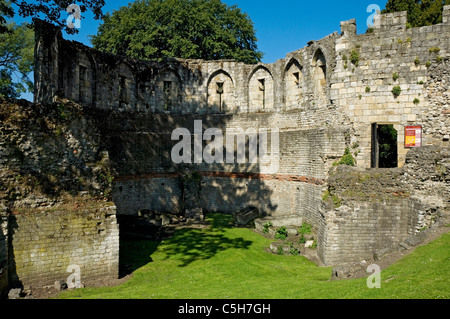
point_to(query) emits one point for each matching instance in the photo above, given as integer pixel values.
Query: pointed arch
(125, 86)
(293, 84)
(86, 78)
(221, 92)
(260, 89)
(168, 93)
(319, 77)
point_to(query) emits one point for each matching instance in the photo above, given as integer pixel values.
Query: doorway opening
(384, 146)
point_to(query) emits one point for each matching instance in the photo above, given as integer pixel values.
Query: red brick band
(257, 176)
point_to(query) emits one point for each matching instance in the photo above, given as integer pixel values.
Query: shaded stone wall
(4, 283)
(44, 244)
(140, 149)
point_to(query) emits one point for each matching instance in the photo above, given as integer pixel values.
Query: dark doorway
(384, 146)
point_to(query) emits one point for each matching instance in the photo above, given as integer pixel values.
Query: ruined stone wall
(44, 244)
(54, 175)
(363, 89)
(368, 213)
(323, 98)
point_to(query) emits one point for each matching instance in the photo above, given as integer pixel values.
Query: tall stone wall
(44, 244)
(415, 59)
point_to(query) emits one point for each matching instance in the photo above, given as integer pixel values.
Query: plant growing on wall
(396, 91)
(354, 57)
(346, 159)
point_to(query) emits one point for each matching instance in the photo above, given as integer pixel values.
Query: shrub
(435, 50)
(417, 61)
(266, 227)
(395, 76)
(281, 233)
(302, 239)
(354, 57)
(428, 64)
(347, 159)
(439, 59)
(367, 89)
(305, 229)
(396, 91)
(293, 250)
(416, 101)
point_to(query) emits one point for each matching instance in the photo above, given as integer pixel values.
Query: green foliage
(396, 91)
(369, 30)
(302, 239)
(420, 13)
(434, 50)
(417, 61)
(16, 60)
(200, 29)
(439, 59)
(428, 64)
(395, 76)
(334, 198)
(266, 227)
(347, 159)
(387, 143)
(293, 250)
(305, 229)
(53, 11)
(354, 57)
(416, 101)
(368, 89)
(280, 250)
(281, 233)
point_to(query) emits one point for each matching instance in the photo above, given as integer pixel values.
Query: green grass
(225, 262)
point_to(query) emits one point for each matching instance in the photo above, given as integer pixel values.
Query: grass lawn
(225, 262)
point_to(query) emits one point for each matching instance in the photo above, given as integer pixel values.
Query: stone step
(289, 221)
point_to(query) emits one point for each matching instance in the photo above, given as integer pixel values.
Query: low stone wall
(371, 212)
(44, 245)
(367, 229)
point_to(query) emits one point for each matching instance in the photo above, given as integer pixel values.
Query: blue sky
(281, 26)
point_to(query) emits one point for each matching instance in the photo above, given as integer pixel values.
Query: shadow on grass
(189, 245)
(135, 253)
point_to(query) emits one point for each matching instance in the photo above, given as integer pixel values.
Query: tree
(5, 12)
(16, 60)
(420, 12)
(190, 29)
(48, 10)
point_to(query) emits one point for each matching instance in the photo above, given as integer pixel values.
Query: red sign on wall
(413, 136)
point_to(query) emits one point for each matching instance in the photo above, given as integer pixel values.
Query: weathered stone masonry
(320, 98)
(46, 243)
